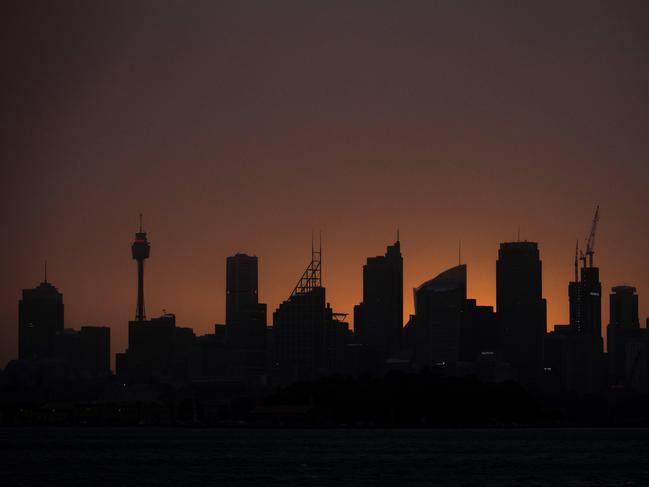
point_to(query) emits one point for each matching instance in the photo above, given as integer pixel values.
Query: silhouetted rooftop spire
(312, 276)
(577, 261)
(45, 280)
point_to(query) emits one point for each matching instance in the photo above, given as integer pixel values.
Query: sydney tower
(140, 250)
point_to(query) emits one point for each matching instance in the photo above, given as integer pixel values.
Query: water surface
(269, 457)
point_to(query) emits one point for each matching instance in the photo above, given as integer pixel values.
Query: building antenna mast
(312, 276)
(577, 261)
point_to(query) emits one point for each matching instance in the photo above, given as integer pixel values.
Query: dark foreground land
(403, 400)
(178, 456)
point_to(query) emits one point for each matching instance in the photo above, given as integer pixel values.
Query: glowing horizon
(244, 127)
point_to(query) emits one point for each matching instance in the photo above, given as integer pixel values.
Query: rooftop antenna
(140, 222)
(577, 260)
(459, 253)
(45, 271)
(397, 234)
(518, 235)
(312, 276)
(320, 255)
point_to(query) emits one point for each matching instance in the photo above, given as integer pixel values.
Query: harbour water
(332, 457)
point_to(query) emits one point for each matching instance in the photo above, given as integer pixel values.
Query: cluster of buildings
(448, 332)
(52, 353)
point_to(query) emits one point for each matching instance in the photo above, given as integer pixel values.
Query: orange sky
(242, 128)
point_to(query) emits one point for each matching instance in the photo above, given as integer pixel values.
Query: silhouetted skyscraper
(574, 353)
(438, 318)
(308, 336)
(40, 320)
(140, 251)
(378, 320)
(586, 301)
(242, 301)
(624, 308)
(245, 317)
(624, 337)
(520, 306)
(479, 332)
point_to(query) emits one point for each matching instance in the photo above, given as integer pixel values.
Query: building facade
(521, 308)
(378, 319)
(40, 321)
(245, 318)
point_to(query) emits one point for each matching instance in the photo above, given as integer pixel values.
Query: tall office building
(40, 320)
(378, 320)
(623, 308)
(520, 307)
(479, 332)
(242, 307)
(447, 328)
(586, 302)
(245, 317)
(436, 325)
(308, 337)
(574, 353)
(626, 341)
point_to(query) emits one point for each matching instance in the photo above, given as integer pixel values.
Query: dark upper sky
(242, 126)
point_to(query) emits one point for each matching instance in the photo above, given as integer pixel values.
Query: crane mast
(590, 242)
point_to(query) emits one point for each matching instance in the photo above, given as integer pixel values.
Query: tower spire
(577, 261)
(459, 253)
(140, 251)
(45, 280)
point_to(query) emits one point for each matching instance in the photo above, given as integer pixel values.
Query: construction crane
(590, 243)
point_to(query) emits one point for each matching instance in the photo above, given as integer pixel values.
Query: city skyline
(347, 242)
(408, 301)
(242, 128)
